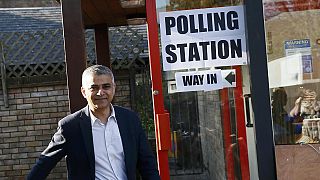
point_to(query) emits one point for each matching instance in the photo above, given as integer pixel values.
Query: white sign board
(303, 47)
(286, 71)
(204, 80)
(203, 38)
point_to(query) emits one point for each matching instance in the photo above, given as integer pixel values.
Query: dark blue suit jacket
(74, 141)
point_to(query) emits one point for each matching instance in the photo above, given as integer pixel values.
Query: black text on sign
(203, 38)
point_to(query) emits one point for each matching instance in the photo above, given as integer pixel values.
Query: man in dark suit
(100, 141)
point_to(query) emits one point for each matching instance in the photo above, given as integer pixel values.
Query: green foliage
(143, 103)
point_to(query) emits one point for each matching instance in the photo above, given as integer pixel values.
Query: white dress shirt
(108, 149)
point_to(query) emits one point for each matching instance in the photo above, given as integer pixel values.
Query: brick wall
(27, 126)
(29, 122)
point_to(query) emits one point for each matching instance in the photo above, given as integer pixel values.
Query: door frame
(260, 96)
(161, 117)
(257, 58)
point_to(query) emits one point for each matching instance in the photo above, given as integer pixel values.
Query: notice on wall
(303, 47)
(281, 76)
(204, 80)
(201, 38)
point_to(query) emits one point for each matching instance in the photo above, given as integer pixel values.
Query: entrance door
(206, 136)
(293, 46)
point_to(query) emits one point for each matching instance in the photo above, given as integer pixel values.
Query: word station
(202, 38)
(222, 49)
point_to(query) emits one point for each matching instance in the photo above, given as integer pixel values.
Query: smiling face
(98, 91)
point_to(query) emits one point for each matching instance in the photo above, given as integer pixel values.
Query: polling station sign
(200, 38)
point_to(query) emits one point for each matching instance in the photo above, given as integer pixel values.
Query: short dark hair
(97, 70)
(279, 96)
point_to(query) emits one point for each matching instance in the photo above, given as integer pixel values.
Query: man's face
(99, 91)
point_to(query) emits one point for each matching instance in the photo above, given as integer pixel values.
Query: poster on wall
(281, 76)
(200, 38)
(303, 47)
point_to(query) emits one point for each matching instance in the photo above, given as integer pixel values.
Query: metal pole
(260, 90)
(161, 117)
